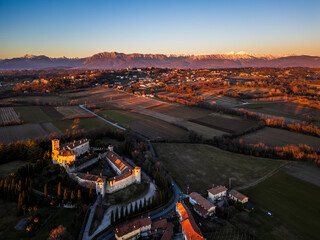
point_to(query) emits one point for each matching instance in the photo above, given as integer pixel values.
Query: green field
(114, 116)
(200, 166)
(32, 114)
(294, 204)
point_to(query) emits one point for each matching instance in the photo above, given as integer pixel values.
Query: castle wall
(113, 186)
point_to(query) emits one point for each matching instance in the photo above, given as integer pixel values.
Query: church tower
(55, 149)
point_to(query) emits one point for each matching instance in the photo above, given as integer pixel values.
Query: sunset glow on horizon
(83, 28)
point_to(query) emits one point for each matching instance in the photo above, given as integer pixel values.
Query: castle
(127, 175)
(66, 154)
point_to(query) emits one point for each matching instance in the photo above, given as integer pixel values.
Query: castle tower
(137, 174)
(55, 149)
(55, 145)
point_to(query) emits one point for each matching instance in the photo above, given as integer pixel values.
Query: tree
(45, 192)
(79, 195)
(112, 217)
(65, 195)
(72, 196)
(116, 215)
(59, 233)
(59, 190)
(90, 191)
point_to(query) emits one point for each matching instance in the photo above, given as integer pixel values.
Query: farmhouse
(134, 229)
(190, 229)
(66, 154)
(239, 197)
(201, 205)
(217, 192)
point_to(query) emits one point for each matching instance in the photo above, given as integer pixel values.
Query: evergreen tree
(72, 196)
(121, 212)
(136, 207)
(126, 214)
(45, 190)
(79, 195)
(116, 215)
(131, 209)
(59, 190)
(65, 195)
(140, 206)
(112, 217)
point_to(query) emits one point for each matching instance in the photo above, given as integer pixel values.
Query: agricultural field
(72, 111)
(114, 116)
(20, 132)
(7, 115)
(84, 123)
(294, 204)
(10, 167)
(204, 131)
(32, 114)
(279, 137)
(225, 123)
(153, 128)
(200, 166)
(288, 110)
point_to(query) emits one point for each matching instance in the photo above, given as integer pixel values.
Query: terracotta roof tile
(237, 195)
(132, 226)
(201, 201)
(217, 190)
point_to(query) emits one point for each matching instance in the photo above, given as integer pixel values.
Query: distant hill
(114, 60)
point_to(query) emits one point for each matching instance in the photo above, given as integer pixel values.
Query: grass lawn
(294, 204)
(7, 168)
(128, 194)
(66, 217)
(114, 116)
(32, 114)
(200, 166)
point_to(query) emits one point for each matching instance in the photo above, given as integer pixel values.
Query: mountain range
(114, 60)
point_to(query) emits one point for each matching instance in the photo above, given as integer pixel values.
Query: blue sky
(83, 28)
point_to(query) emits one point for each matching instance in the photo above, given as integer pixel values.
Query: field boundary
(263, 178)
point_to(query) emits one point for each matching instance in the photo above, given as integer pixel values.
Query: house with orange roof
(190, 229)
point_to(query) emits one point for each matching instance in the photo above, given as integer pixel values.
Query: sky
(79, 28)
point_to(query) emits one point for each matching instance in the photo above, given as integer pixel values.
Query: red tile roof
(217, 190)
(67, 153)
(201, 200)
(159, 224)
(190, 228)
(237, 195)
(168, 233)
(74, 144)
(200, 209)
(114, 158)
(90, 177)
(132, 226)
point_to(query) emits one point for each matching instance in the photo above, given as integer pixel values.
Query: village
(204, 206)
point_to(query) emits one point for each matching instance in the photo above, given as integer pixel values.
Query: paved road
(103, 119)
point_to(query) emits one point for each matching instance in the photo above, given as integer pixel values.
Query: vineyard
(9, 117)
